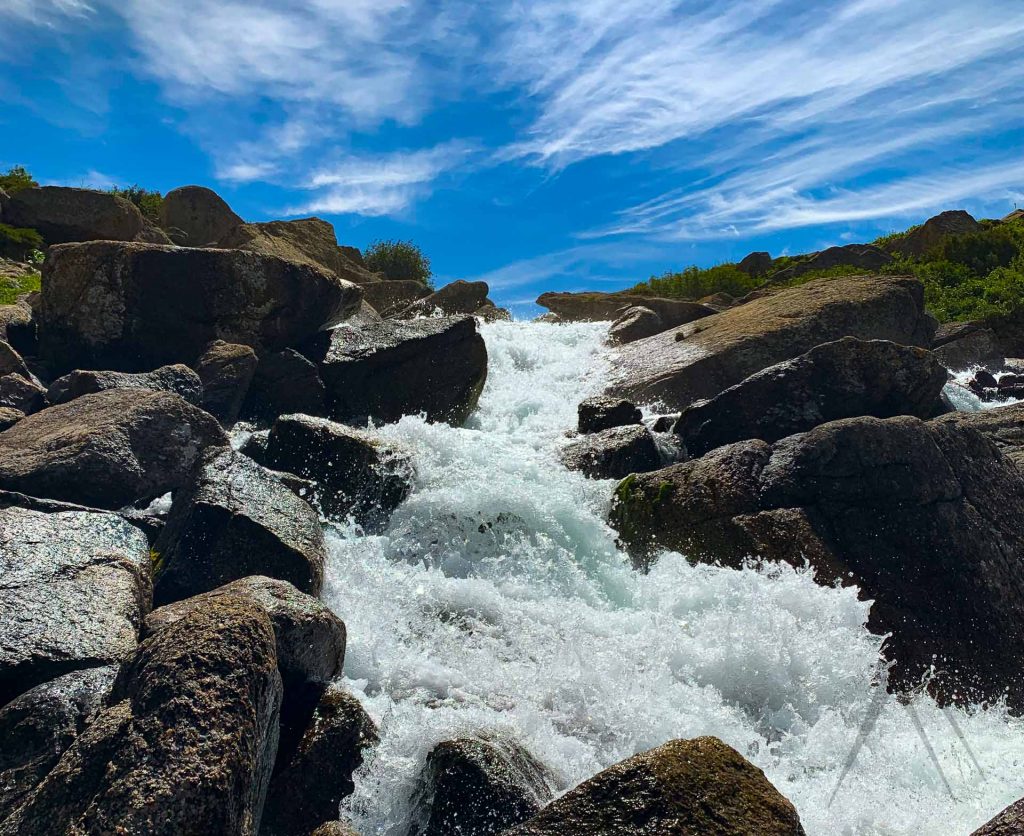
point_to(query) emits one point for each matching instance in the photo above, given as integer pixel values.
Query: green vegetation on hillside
(12, 288)
(15, 179)
(18, 243)
(974, 275)
(398, 260)
(149, 203)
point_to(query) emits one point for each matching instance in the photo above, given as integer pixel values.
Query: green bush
(11, 289)
(697, 282)
(19, 243)
(149, 203)
(16, 179)
(398, 260)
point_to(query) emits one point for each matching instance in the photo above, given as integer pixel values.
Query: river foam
(497, 600)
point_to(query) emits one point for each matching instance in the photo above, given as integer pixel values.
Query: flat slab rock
(74, 588)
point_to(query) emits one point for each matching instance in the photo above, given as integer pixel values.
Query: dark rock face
(18, 327)
(305, 240)
(606, 307)
(387, 296)
(755, 264)
(683, 788)
(107, 450)
(62, 215)
(21, 393)
(1003, 426)
(635, 324)
(1010, 822)
(9, 417)
(613, 453)
(285, 381)
(603, 413)
(922, 516)
(917, 242)
(310, 639)
(232, 520)
(319, 752)
(702, 358)
(862, 256)
(842, 379)
(196, 216)
(355, 474)
(40, 724)
(178, 378)
(458, 297)
(11, 362)
(74, 588)
(225, 370)
(190, 746)
(390, 369)
(479, 787)
(133, 307)
(960, 345)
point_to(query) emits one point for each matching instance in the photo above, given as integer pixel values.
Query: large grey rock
(321, 747)
(866, 257)
(21, 393)
(602, 307)
(132, 307)
(109, 449)
(226, 370)
(388, 296)
(924, 517)
(285, 381)
(389, 369)
(354, 472)
(683, 788)
(196, 216)
(917, 242)
(189, 747)
(11, 362)
(634, 324)
(74, 588)
(458, 297)
(62, 214)
(40, 724)
(961, 345)
(9, 417)
(755, 264)
(179, 379)
(703, 358)
(478, 787)
(842, 379)
(613, 453)
(602, 413)
(235, 519)
(1003, 426)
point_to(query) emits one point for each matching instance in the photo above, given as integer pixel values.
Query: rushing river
(497, 600)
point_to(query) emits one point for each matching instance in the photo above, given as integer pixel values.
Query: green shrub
(11, 289)
(16, 179)
(19, 243)
(697, 282)
(398, 260)
(149, 203)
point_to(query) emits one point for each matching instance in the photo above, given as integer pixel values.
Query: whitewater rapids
(497, 600)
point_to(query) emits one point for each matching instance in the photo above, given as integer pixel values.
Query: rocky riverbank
(167, 660)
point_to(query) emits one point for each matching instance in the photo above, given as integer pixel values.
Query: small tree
(149, 203)
(16, 179)
(398, 260)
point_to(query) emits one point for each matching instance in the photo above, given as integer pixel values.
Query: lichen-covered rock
(603, 413)
(196, 216)
(322, 745)
(74, 588)
(62, 214)
(225, 370)
(703, 358)
(109, 449)
(21, 393)
(478, 787)
(133, 307)
(355, 473)
(235, 519)
(842, 379)
(434, 366)
(922, 516)
(699, 787)
(40, 724)
(178, 378)
(189, 747)
(613, 453)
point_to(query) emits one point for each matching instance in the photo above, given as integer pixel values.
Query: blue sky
(536, 144)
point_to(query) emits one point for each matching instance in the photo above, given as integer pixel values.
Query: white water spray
(497, 600)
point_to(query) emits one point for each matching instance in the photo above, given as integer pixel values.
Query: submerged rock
(842, 379)
(226, 370)
(109, 449)
(922, 516)
(613, 453)
(389, 369)
(697, 787)
(354, 472)
(132, 307)
(603, 413)
(235, 519)
(478, 787)
(74, 588)
(179, 379)
(703, 358)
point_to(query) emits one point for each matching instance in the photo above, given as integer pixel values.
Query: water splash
(963, 399)
(497, 599)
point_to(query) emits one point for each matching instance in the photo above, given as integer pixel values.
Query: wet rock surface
(603, 413)
(613, 453)
(225, 370)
